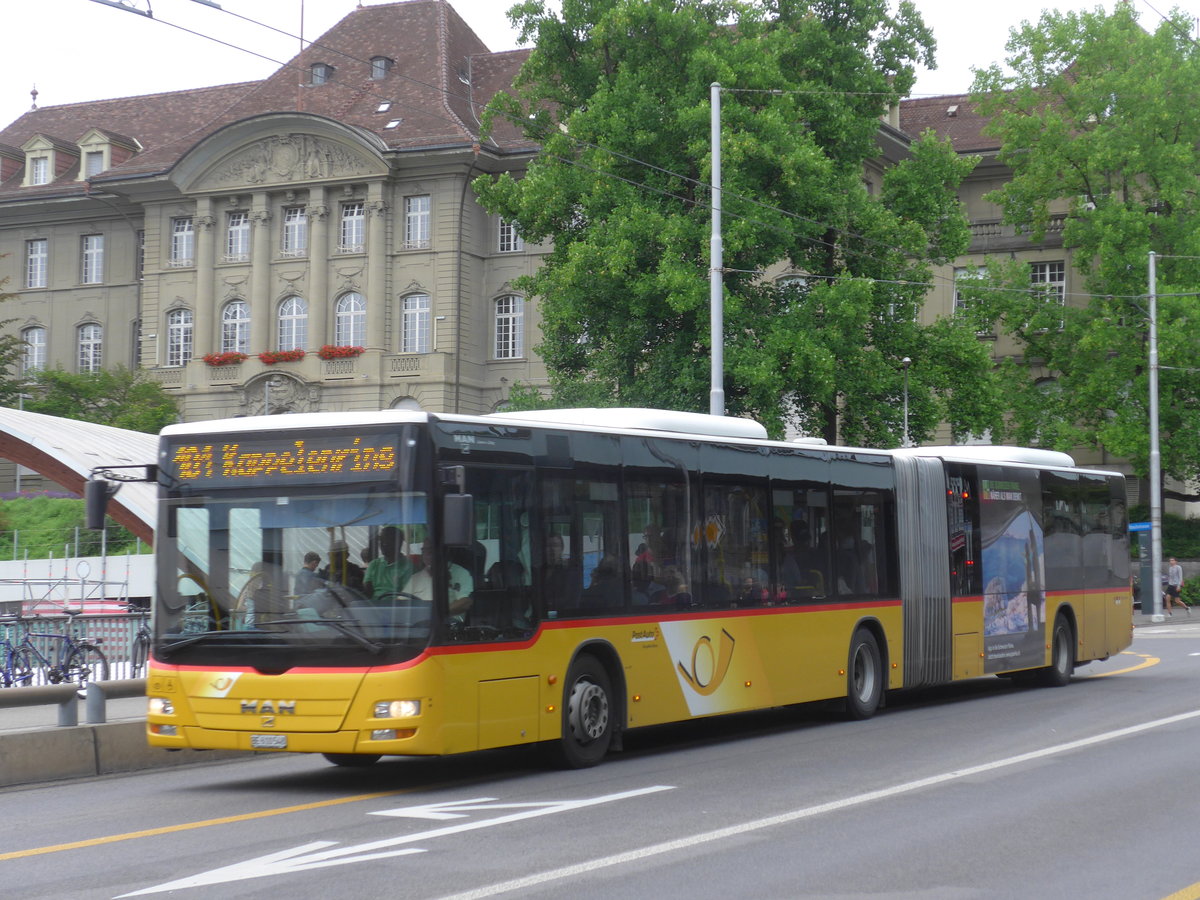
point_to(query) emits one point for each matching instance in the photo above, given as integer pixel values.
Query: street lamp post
(904, 441)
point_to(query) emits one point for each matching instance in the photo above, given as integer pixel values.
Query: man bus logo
(708, 669)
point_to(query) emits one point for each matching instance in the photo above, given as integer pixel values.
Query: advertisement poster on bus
(1014, 597)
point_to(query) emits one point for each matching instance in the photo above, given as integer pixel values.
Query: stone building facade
(274, 216)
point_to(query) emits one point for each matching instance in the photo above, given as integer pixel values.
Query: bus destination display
(280, 460)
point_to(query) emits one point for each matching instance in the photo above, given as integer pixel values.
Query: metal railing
(66, 698)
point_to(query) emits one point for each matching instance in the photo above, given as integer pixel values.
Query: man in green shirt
(388, 574)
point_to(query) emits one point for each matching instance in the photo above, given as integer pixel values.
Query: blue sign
(1139, 526)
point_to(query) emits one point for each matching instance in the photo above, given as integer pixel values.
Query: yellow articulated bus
(406, 583)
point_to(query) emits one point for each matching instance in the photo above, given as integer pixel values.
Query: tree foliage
(119, 397)
(1097, 120)
(616, 93)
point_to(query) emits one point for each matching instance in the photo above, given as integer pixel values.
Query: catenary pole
(1155, 587)
(716, 286)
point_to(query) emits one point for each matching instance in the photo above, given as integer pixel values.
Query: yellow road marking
(1147, 661)
(205, 823)
(1191, 892)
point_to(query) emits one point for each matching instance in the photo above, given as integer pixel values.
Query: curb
(52, 754)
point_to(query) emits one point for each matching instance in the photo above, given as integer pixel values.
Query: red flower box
(231, 358)
(331, 351)
(270, 357)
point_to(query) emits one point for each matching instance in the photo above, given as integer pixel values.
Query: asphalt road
(979, 790)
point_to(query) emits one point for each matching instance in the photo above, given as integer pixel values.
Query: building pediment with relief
(287, 159)
(266, 153)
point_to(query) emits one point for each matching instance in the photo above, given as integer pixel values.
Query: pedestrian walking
(1174, 595)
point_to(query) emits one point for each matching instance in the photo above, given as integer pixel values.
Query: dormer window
(47, 158)
(380, 65)
(39, 170)
(93, 163)
(321, 73)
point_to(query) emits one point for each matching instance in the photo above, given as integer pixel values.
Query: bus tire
(352, 760)
(864, 676)
(1062, 656)
(588, 708)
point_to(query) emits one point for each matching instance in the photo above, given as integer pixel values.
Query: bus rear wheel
(1062, 656)
(352, 760)
(864, 676)
(587, 727)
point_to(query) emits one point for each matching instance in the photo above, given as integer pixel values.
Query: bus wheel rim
(588, 711)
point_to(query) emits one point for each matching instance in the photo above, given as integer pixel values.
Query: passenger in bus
(674, 592)
(645, 588)
(801, 573)
(388, 574)
(307, 580)
(560, 580)
(606, 589)
(340, 570)
(459, 582)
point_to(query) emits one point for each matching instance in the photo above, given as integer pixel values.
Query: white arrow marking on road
(457, 809)
(318, 855)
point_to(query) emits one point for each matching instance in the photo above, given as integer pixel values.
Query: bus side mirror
(95, 497)
(458, 520)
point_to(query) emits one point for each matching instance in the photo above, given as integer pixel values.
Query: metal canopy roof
(66, 451)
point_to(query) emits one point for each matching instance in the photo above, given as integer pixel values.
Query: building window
(39, 170)
(350, 321)
(90, 348)
(416, 222)
(34, 358)
(93, 163)
(380, 65)
(510, 327)
(235, 327)
(321, 73)
(415, 323)
(293, 324)
(1053, 275)
(237, 237)
(352, 227)
(91, 257)
(179, 337)
(510, 241)
(183, 242)
(139, 258)
(295, 232)
(37, 258)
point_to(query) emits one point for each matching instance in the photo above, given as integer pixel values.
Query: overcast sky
(76, 50)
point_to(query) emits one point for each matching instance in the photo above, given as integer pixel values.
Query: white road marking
(318, 854)
(685, 843)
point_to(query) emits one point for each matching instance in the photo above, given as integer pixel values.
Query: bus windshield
(284, 579)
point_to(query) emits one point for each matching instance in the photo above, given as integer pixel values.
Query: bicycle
(139, 650)
(77, 660)
(16, 668)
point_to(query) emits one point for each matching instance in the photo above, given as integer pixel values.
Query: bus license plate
(268, 741)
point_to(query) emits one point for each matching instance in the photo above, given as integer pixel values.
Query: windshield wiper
(340, 626)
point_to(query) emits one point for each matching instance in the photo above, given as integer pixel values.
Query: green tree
(1097, 120)
(119, 397)
(616, 94)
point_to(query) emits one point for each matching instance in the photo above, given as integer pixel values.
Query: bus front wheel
(864, 676)
(587, 714)
(352, 760)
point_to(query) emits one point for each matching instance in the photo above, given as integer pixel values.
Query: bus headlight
(397, 709)
(159, 706)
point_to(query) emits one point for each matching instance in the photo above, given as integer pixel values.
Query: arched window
(414, 337)
(510, 327)
(293, 324)
(350, 321)
(235, 327)
(179, 337)
(91, 354)
(34, 359)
